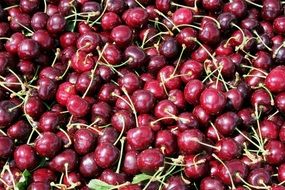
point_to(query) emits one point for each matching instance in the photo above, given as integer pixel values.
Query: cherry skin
(106, 155)
(280, 102)
(226, 144)
(121, 35)
(140, 138)
(259, 176)
(275, 152)
(149, 161)
(68, 158)
(122, 120)
(227, 122)
(212, 100)
(196, 166)
(130, 166)
(88, 166)
(77, 106)
(169, 47)
(48, 145)
(270, 9)
(6, 147)
(88, 42)
(182, 16)
(43, 175)
(188, 141)
(28, 49)
(143, 101)
(274, 80)
(19, 130)
(84, 141)
(112, 54)
(111, 177)
(25, 157)
(101, 112)
(56, 23)
(209, 183)
(164, 109)
(135, 56)
(6, 115)
(135, 17)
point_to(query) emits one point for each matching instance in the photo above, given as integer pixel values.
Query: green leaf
(24, 180)
(141, 177)
(97, 184)
(70, 25)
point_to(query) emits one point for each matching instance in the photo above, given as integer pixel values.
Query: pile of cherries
(142, 94)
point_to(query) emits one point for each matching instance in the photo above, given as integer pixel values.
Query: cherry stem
(205, 144)
(242, 32)
(158, 172)
(257, 116)
(122, 140)
(249, 185)
(100, 16)
(179, 59)
(216, 131)
(157, 22)
(25, 27)
(168, 19)
(189, 25)
(247, 138)
(4, 38)
(139, 4)
(122, 131)
(206, 50)
(7, 167)
(276, 51)
(271, 116)
(268, 91)
(154, 36)
(211, 18)
(259, 38)
(209, 75)
(57, 53)
(69, 139)
(64, 73)
(254, 68)
(228, 171)
(253, 3)
(83, 14)
(13, 6)
(132, 106)
(183, 6)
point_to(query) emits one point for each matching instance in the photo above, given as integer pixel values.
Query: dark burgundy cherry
(19, 20)
(169, 47)
(66, 160)
(259, 177)
(88, 166)
(84, 83)
(109, 92)
(106, 155)
(101, 113)
(46, 88)
(52, 9)
(182, 16)
(188, 141)
(281, 173)
(7, 113)
(225, 20)
(88, 42)
(56, 23)
(109, 135)
(190, 70)
(235, 99)
(150, 160)
(112, 178)
(135, 17)
(270, 9)
(34, 106)
(275, 152)
(19, 130)
(29, 6)
(6, 147)
(177, 97)
(135, 56)
(49, 121)
(39, 21)
(192, 90)
(209, 34)
(186, 36)
(81, 61)
(269, 130)
(110, 20)
(77, 106)
(236, 7)
(25, 157)
(123, 120)
(68, 39)
(236, 168)
(228, 149)
(156, 62)
(275, 79)
(261, 99)
(209, 183)
(43, 175)
(202, 115)
(28, 49)
(196, 166)
(166, 76)
(263, 60)
(122, 35)
(143, 101)
(227, 122)
(140, 138)
(84, 141)
(146, 120)
(213, 101)
(187, 120)
(130, 81)
(165, 109)
(166, 142)
(280, 102)
(48, 145)
(129, 165)
(156, 88)
(39, 186)
(112, 54)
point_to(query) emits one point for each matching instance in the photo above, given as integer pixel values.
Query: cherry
(212, 100)
(147, 120)
(7, 112)
(261, 98)
(66, 160)
(111, 177)
(123, 120)
(122, 35)
(77, 106)
(209, 183)
(88, 42)
(275, 152)
(106, 155)
(25, 157)
(81, 61)
(166, 76)
(196, 166)
(140, 138)
(48, 145)
(85, 82)
(156, 88)
(270, 9)
(236, 7)
(130, 166)
(209, 34)
(39, 21)
(135, 56)
(135, 17)
(56, 23)
(169, 47)
(108, 92)
(182, 16)
(234, 169)
(38, 186)
(227, 122)
(278, 24)
(43, 175)
(112, 54)
(223, 147)
(259, 177)
(269, 130)
(6, 148)
(101, 112)
(274, 80)
(165, 109)
(202, 116)
(143, 101)
(88, 166)
(150, 160)
(189, 141)
(28, 49)
(19, 130)
(83, 141)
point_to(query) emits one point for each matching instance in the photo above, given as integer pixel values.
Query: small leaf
(141, 177)
(24, 180)
(70, 25)
(97, 184)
